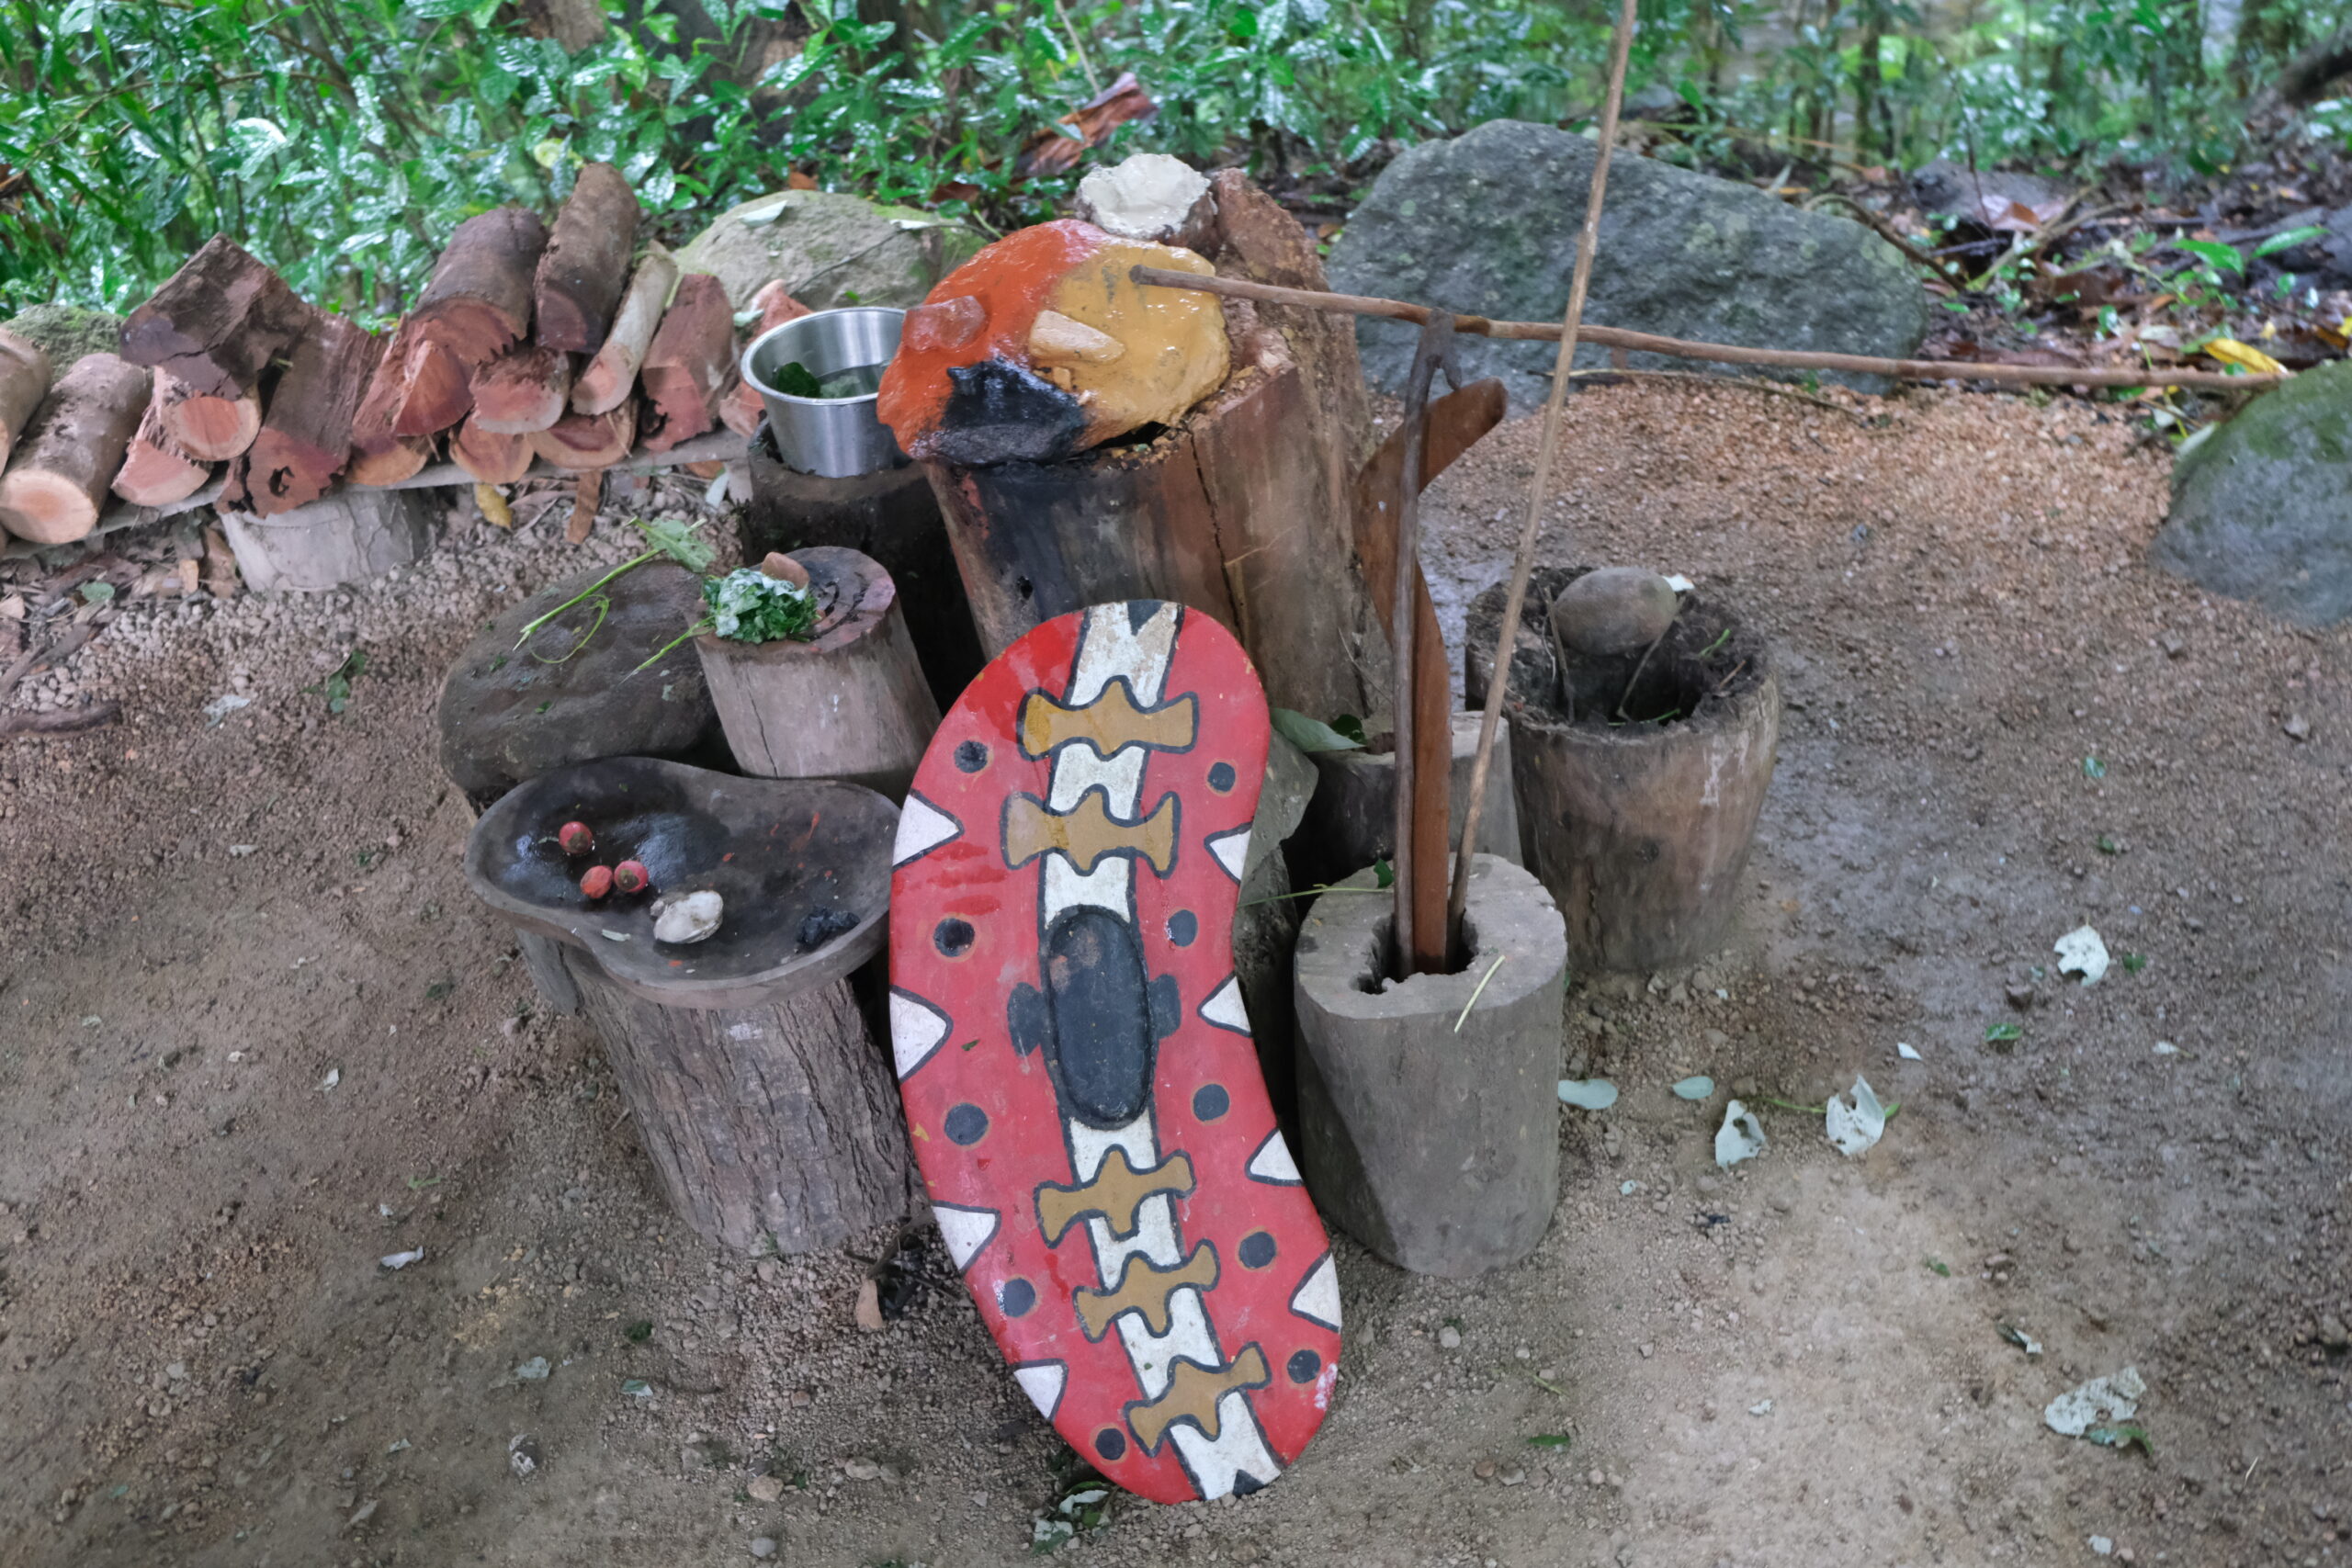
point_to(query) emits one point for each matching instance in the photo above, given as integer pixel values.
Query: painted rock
(1042, 346)
(1080, 1081)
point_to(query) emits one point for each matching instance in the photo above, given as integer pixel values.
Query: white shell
(686, 917)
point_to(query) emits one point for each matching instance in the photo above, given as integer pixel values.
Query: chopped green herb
(2001, 1033)
(1549, 1440)
(640, 1331)
(1938, 1266)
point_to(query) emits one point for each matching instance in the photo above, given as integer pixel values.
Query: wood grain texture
(479, 300)
(305, 441)
(24, 382)
(523, 389)
(580, 441)
(155, 470)
(209, 428)
(686, 365)
(493, 458)
(850, 703)
(218, 322)
(585, 265)
(58, 477)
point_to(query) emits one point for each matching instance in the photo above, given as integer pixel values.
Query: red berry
(575, 837)
(630, 877)
(597, 881)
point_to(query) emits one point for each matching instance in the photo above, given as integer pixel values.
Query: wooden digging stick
(1719, 353)
(1524, 563)
(1423, 762)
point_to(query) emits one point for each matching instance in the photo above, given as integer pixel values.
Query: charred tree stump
(890, 515)
(305, 442)
(216, 323)
(582, 270)
(761, 1093)
(850, 704)
(58, 477)
(348, 536)
(24, 382)
(1638, 795)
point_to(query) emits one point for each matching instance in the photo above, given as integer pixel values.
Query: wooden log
(850, 704)
(57, 477)
(202, 425)
(890, 515)
(24, 382)
(582, 270)
(685, 365)
(218, 322)
(479, 300)
(429, 389)
(1232, 513)
(1350, 820)
(522, 390)
(155, 471)
(588, 495)
(380, 454)
(611, 375)
(1257, 239)
(305, 442)
(1640, 829)
(493, 458)
(349, 536)
(770, 1123)
(741, 407)
(580, 441)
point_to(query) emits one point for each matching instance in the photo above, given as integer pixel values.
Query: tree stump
(890, 515)
(1638, 798)
(761, 1095)
(1243, 509)
(1351, 821)
(349, 536)
(850, 704)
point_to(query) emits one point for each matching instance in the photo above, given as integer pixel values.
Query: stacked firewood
(527, 343)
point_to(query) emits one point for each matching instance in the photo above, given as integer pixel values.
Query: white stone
(1148, 197)
(687, 917)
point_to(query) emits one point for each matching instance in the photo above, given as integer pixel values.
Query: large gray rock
(2262, 509)
(830, 249)
(1486, 224)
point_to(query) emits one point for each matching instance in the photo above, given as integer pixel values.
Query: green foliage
(748, 606)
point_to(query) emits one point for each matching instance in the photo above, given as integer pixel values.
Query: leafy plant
(747, 605)
(336, 687)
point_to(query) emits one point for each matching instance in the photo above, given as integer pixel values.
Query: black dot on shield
(1110, 1442)
(1304, 1365)
(1210, 1101)
(967, 1125)
(1182, 927)
(971, 756)
(1257, 1250)
(952, 937)
(1221, 777)
(1016, 1297)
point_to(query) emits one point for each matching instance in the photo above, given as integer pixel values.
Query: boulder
(2262, 508)
(66, 333)
(1487, 223)
(828, 249)
(509, 714)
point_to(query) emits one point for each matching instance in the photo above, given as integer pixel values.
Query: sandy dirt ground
(254, 1036)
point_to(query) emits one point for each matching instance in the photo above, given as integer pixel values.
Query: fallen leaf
(1740, 1137)
(1698, 1087)
(2230, 351)
(493, 505)
(869, 1305)
(2116, 1396)
(1588, 1094)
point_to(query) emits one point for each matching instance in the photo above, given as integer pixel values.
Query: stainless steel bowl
(838, 438)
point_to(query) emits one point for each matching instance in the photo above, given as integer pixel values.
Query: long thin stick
(1524, 563)
(1718, 353)
(1411, 942)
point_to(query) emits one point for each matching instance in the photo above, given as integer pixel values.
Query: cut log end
(72, 449)
(686, 368)
(611, 376)
(493, 458)
(522, 390)
(47, 509)
(588, 441)
(206, 427)
(155, 471)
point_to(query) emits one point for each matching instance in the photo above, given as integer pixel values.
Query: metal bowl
(837, 438)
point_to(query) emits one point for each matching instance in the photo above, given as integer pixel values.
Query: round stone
(1615, 609)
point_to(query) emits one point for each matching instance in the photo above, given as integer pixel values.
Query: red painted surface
(971, 980)
(1012, 279)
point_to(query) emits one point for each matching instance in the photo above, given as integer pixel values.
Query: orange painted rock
(1043, 345)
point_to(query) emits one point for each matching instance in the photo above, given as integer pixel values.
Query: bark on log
(685, 365)
(1640, 829)
(379, 455)
(493, 458)
(522, 390)
(1262, 242)
(611, 376)
(350, 536)
(580, 441)
(892, 516)
(203, 426)
(850, 704)
(155, 471)
(479, 301)
(582, 270)
(58, 477)
(218, 322)
(1232, 512)
(305, 442)
(777, 1122)
(24, 382)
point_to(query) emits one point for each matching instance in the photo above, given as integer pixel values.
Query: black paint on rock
(998, 411)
